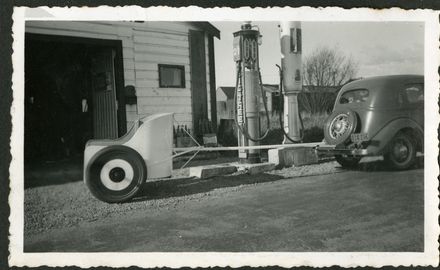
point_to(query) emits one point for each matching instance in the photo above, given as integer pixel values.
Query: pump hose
(282, 116)
(242, 130)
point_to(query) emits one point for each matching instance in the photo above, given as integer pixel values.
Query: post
(291, 47)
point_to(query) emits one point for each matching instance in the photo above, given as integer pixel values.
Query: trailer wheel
(115, 174)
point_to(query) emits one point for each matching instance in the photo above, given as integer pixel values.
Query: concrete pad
(305, 156)
(255, 168)
(212, 170)
(286, 157)
(208, 171)
(275, 157)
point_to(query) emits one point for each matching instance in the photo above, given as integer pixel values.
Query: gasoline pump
(247, 93)
(249, 88)
(291, 80)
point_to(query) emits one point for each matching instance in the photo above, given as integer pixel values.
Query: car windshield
(354, 96)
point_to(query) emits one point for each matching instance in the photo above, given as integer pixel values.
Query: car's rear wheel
(347, 161)
(401, 153)
(115, 174)
(339, 126)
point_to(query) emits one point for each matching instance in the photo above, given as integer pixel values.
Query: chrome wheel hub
(339, 126)
(400, 151)
(117, 174)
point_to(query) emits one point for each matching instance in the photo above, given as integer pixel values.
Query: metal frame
(182, 79)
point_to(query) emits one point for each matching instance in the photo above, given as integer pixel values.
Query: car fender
(380, 140)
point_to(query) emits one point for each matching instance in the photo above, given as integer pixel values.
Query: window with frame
(354, 96)
(414, 93)
(171, 76)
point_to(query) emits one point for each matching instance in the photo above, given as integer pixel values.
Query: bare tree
(328, 67)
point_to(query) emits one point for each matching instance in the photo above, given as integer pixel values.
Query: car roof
(383, 80)
(379, 85)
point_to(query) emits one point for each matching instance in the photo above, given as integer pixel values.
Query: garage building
(88, 80)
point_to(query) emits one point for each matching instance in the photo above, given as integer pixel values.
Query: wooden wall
(145, 45)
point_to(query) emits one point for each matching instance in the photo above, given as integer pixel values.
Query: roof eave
(209, 28)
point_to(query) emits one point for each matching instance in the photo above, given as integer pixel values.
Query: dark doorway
(73, 93)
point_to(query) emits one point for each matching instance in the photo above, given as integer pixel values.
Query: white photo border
(430, 256)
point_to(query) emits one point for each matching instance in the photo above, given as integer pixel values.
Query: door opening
(73, 93)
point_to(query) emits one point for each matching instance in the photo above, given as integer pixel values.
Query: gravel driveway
(71, 204)
(311, 208)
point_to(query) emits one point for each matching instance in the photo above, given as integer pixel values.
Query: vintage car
(377, 116)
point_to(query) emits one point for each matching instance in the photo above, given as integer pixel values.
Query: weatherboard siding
(144, 46)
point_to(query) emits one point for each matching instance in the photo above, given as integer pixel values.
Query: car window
(354, 96)
(414, 93)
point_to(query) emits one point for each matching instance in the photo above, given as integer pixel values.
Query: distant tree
(328, 67)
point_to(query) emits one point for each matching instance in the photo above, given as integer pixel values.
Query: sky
(380, 48)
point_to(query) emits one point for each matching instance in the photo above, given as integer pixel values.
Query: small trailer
(115, 170)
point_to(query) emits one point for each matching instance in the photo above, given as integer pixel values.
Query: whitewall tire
(115, 174)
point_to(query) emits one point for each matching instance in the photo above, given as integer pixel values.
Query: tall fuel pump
(248, 92)
(291, 79)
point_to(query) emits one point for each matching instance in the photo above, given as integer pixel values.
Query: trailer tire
(115, 174)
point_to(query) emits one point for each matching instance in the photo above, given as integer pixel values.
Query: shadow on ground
(64, 171)
(57, 172)
(187, 186)
(178, 187)
(378, 165)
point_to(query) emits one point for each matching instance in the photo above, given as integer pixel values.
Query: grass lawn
(313, 128)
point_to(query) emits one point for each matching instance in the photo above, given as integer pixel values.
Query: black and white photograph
(224, 137)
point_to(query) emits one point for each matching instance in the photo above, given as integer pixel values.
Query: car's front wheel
(401, 153)
(347, 161)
